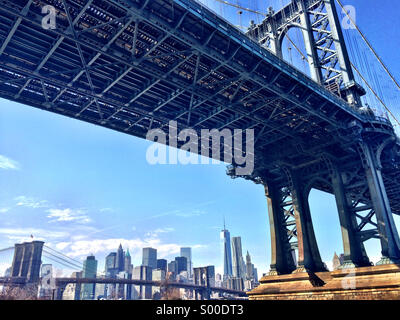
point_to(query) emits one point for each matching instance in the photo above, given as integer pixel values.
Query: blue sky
(84, 189)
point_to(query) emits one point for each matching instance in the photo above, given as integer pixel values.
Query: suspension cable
(375, 94)
(60, 253)
(75, 263)
(363, 78)
(240, 7)
(369, 44)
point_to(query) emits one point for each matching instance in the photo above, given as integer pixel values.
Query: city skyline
(70, 221)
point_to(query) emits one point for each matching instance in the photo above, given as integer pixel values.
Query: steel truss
(325, 47)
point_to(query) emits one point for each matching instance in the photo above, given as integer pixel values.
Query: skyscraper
(226, 251)
(172, 268)
(110, 261)
(162, 264)
(181, 264)
(110, 272)
(120, 262)
(89, 271)
(149, 258)
(237, 257)
(187, 253)
(128, 262)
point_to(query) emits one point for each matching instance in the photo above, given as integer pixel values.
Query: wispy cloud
(156, 232)
(190, 214)
(4, 210)
(68, 214)
(31, 202)
(164, 230)
(8, 164)
(180, 213)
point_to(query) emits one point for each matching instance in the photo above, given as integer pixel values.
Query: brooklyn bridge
(136, 65)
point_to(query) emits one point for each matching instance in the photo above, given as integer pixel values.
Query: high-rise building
(120, 260)
(110, 272)
(255, 274)
(187, 253)
(149, 258)
(337, 261)
(89, 271)
(226, 251)
(237, 257)
(128, 262)
(249, 267)
(172, 270)
(110, 262)
(181, 264)
(162, 264)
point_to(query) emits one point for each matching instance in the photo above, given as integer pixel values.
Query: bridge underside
(132, 66)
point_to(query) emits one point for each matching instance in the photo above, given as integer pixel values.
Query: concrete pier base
(365, 283)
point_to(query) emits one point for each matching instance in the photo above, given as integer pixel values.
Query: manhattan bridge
(136, 65)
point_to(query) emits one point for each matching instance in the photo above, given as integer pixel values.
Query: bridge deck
(134, 65)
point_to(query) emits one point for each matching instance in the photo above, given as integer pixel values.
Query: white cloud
(155, 233)
(62, 245)
(31, 202)
(3, 268)
(106, 210)
(4, 210)
(83, 248)
(8, 164)
(193, 213)
(24, 234)
(68, 214)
